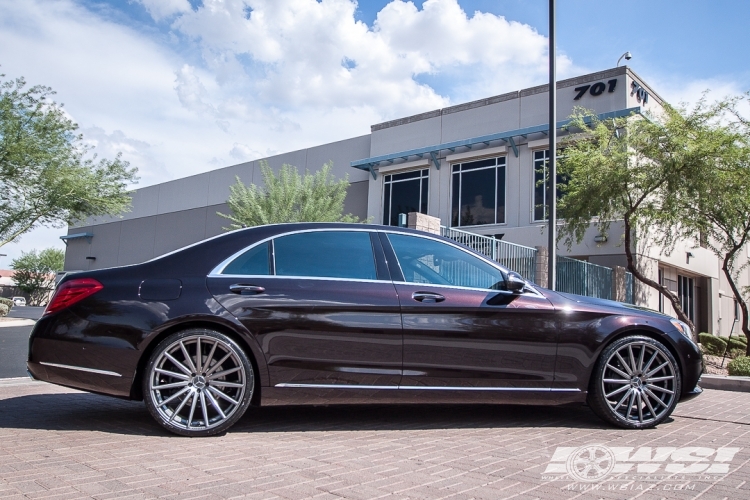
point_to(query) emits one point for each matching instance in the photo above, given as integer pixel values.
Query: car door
(461, 328)
(322, 306)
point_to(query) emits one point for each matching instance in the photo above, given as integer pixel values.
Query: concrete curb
(722, 383)
(7, 322)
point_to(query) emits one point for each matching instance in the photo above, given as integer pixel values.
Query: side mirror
(515, 283)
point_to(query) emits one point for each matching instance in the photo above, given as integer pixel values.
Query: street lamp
(627, 55)
(552, 166)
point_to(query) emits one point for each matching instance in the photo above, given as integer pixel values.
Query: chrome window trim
(423, 387)
(216, 272)
(273, 276)
(81, 369)
(536, 295)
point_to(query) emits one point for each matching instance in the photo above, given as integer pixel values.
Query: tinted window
(253, 262)
(428, 261)
(325, 254)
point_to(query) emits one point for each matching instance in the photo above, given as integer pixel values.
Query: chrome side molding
(81, 369)
(421, 387)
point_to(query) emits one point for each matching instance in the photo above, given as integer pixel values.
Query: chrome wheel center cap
(199, 382)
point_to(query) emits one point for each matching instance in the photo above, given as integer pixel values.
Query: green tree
(288, 197)
(630, 169)
(48, 176)
(718, 201)
(35, 273)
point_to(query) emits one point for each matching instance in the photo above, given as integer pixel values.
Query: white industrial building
(476, 166)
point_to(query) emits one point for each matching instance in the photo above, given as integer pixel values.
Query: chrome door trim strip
(336, 386)
(81, 369)
(422, 387)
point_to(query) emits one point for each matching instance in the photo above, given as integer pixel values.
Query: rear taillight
(70, 292)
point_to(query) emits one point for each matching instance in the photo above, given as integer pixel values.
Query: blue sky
(185, 86)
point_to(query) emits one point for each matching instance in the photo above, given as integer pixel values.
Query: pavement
(14, 339)
(61, 443)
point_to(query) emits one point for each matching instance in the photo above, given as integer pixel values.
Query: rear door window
(254, 262)
(325, 254)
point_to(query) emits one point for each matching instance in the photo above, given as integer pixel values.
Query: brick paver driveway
(59, 443)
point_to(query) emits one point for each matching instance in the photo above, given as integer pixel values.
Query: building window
(541, 159)
(685, 291)
(404, 193)
(478, 192)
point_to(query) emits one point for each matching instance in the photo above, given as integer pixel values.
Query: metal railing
(583, 278)
(573, 275)
(629, 288)
(515, 257)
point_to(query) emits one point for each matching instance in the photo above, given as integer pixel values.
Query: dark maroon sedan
(334, 313)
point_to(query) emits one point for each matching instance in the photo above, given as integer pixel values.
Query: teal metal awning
(509, 137)
(76, 236)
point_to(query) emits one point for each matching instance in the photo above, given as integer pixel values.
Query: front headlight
(682, 328)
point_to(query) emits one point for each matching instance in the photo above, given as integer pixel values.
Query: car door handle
(427, 297)
(246, 289)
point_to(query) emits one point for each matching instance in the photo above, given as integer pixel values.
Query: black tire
(636, 383)
(192, 399)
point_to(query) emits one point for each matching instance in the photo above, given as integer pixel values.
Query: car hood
(610, 305)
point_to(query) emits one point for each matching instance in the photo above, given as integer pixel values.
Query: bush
(4, 310)
(711, 344)
(6, 301)
(736, 344)
(739, 366)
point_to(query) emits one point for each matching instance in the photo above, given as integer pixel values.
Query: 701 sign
(596, 89)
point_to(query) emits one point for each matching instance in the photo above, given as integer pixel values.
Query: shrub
(739, 366)
(4, 310)
(735, 353)
(6, 301)
(711, 344)
(736, 343)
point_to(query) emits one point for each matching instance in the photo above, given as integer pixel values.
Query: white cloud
(235, 80)
(160, 9)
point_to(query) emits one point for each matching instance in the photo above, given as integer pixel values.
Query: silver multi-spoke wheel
(198, 383)
(637, 383)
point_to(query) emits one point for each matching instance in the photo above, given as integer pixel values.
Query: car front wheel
(636, 383)
(198, 383)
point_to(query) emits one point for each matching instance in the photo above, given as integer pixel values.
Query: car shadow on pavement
(91, 412)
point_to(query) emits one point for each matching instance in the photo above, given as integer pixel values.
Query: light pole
(552, 167)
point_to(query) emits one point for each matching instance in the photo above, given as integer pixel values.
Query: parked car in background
(321, 313)
(19, 301)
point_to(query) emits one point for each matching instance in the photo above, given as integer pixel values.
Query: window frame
(424, 174)
(217, 272)
(533, 151)
(460, 172)
(502, 269)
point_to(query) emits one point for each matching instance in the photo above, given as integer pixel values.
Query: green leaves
(288, 197)
(47, 175)
(680, 177)
(35, 272)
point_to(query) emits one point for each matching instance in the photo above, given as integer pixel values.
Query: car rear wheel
(198, 383)
(636, 383)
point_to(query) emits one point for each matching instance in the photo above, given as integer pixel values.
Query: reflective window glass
(254, 262)
(325, 254)
(478, 192)
(404, 193)
(424, 260)
(541, 161)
